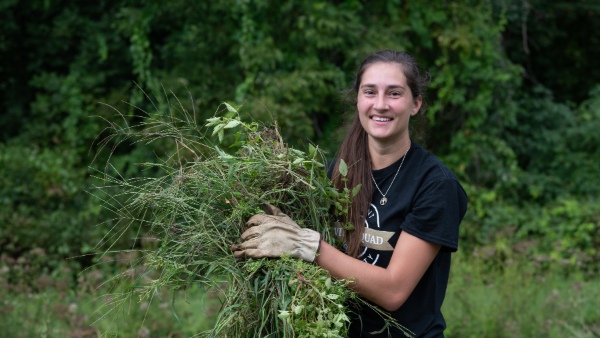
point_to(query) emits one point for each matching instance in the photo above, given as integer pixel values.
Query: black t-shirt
(427, 201)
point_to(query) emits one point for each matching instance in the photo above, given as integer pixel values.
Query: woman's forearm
(387, 287)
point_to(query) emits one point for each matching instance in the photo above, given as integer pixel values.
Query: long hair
(355, 150)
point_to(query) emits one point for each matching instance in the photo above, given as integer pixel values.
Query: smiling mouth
(381, 119)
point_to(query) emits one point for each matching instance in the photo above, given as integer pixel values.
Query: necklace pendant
(383, 200)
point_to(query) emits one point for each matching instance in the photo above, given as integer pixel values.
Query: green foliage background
(514, 107)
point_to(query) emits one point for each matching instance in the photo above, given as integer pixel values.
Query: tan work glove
(274, 234)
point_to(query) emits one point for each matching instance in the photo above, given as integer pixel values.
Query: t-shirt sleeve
(438, 209)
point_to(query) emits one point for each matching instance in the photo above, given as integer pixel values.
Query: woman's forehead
(383, 73)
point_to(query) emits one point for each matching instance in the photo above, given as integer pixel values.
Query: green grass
(484, 299)
(56, 313)
(510, 299)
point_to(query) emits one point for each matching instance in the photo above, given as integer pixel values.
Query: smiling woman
(397, 244)
(385, 104)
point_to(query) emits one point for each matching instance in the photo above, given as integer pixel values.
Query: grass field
(513, 300)
(509, 300)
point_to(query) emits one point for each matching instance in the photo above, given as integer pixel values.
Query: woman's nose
(380, 103)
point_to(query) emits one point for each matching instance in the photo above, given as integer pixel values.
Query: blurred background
(514, 111)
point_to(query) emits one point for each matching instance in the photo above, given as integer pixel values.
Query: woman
(406, 215)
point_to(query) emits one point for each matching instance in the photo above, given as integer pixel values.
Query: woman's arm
(275, 234)
(387, 287)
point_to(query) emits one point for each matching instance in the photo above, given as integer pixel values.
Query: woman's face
(385, 103)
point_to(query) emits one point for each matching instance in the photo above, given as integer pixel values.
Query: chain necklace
(384, 199)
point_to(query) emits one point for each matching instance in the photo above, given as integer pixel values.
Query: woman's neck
(385, 155)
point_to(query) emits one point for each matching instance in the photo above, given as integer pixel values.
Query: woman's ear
(417, 102)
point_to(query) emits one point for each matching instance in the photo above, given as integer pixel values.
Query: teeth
(381, 119)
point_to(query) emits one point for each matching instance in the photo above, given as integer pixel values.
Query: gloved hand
(274, 234)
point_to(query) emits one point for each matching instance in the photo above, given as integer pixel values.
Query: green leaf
(232, 124)
(311, 149)
(221, 135)
(356, 189)
(222, 154)
(230, 108)
(212, 121)
(343, 168)
(298, 309)
(332, 192)
(217, 129)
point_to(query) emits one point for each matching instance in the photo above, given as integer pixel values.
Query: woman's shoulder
(429, 165)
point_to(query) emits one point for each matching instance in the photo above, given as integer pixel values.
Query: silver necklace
(384, 199)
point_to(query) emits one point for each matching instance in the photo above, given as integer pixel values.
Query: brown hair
(355, 151)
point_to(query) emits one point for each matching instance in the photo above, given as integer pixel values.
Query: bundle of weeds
(198, 208)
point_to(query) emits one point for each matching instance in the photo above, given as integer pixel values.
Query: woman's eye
(395, 94)
(369, 92)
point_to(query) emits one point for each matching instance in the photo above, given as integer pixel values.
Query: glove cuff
(309, 244)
